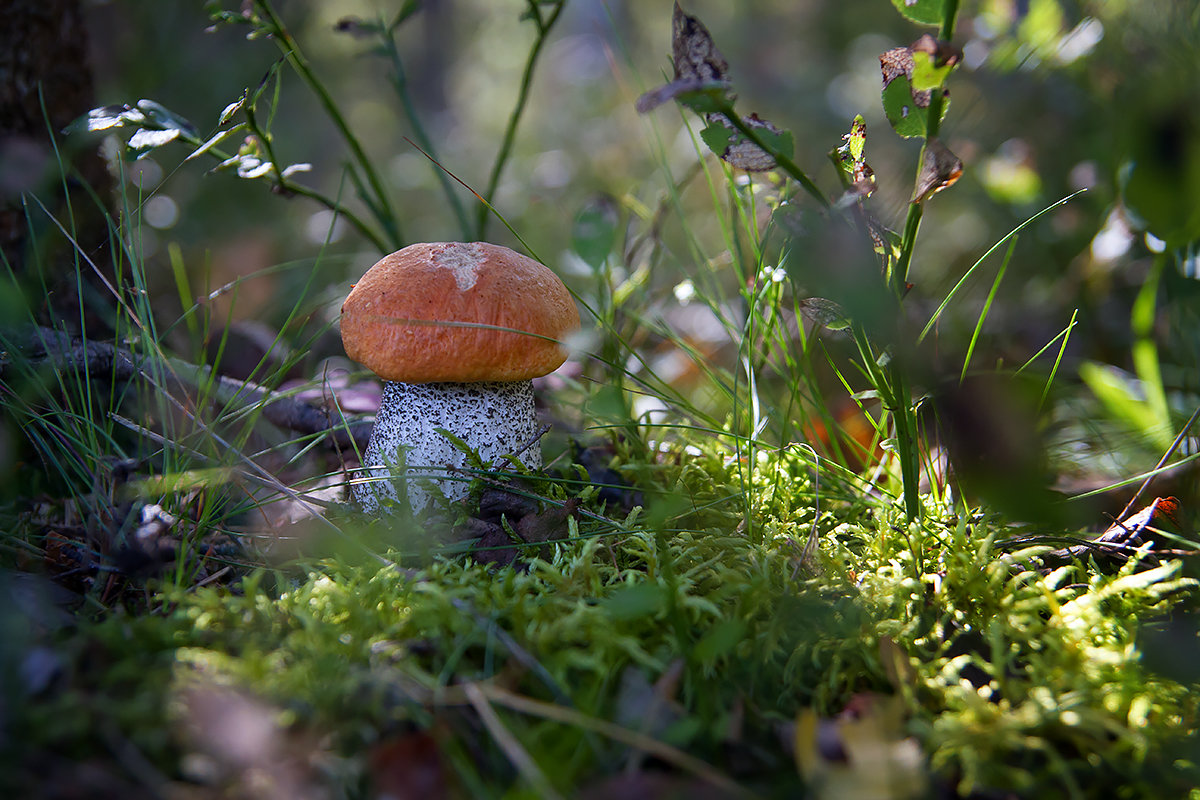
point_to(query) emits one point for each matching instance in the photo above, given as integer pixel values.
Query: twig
(512, 748)
(105, 360)
(385, 214)
(640, 741)
(1161, 463)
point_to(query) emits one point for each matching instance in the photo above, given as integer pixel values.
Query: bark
(46, 83)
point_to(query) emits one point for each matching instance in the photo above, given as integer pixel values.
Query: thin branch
(288, 46)
(400, 82)
(514, 119)
(105, 360)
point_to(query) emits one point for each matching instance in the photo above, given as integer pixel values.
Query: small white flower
(685, 292)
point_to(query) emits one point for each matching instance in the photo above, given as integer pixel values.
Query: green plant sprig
(785, 163)
(912, 222)
(544, 26)
(381, 204)
(905, 412)
(400, 83)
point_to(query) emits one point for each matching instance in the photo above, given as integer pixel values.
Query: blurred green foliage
(1052, 97)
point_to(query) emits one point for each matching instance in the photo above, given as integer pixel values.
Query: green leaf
(729, 143)
(461, 446)
(712, 96)
(850, 161)
(718, 137)
(781, 142)
(856, 139)
(907, 118)
(926, 73)
(922, 12)
(1120, 396)
(594, 232)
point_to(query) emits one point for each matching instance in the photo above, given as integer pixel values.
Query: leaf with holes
(850, 159)
(905, 113)
(736, 149)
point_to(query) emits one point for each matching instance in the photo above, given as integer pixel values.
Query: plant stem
(381, 206)
(286, 186)
(510, 134)
(906, 437)
(784, 162)
(906, 423)
(400, 81)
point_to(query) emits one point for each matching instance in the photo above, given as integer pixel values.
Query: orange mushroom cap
(429, 313)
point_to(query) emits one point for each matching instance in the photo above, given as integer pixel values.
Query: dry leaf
(700, 66)
(944, 54)
(696, 56)
(742, 153)
(899, 62)
(939, 170)
(408, 767)
(654, 98)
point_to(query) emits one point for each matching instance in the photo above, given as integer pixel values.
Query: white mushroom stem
(494, 419)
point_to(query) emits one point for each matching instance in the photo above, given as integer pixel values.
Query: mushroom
(458, 332)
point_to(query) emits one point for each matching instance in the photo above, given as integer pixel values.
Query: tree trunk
(45, 83)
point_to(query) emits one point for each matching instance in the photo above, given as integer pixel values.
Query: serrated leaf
(708, 97)
(922, 12)
(717, 137)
